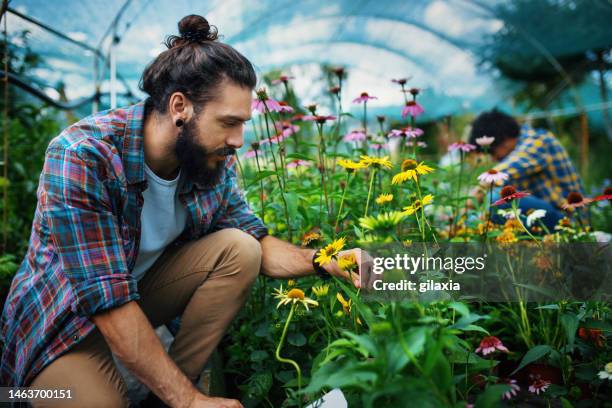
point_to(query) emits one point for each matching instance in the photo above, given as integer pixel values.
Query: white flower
(484, 141)
(535, 215)
(606, 374)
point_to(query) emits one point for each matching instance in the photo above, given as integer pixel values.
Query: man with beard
(140, 220)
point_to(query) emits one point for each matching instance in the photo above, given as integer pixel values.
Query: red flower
(508, 194)
(595, 335)
(539, 385)
(489, 344)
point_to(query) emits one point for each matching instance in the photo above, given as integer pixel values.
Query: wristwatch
(323, 274)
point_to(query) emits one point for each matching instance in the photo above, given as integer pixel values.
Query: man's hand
(364, 265)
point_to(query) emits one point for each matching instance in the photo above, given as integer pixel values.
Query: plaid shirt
(541, 166)
(85, 237)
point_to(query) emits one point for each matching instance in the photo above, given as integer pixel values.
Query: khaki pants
(207, 281)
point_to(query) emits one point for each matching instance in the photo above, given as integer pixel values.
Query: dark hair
(195, 64)
(494, 123)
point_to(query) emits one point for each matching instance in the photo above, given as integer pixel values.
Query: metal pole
(113, 72)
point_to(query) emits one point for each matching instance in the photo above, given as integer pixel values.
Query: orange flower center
(492, 171)
(508, 191)
(296, 293)
(574, 198)
(409, 164)
(364, 95)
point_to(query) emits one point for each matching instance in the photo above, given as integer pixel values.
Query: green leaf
(565, 403)
(259, 355)
(299, 156)
(570, 324)
(536, 353)
(460, 307)
(260, 176)
(296, 339)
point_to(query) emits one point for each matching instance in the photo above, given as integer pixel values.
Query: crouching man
(139, 220)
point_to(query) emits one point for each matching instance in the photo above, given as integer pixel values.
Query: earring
(180, 122)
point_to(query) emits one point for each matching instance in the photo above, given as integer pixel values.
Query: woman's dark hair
(195, 64)
(494, 123)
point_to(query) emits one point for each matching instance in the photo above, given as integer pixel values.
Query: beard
(198, 163)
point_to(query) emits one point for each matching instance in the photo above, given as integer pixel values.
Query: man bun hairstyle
(494, 123)
(195, 63)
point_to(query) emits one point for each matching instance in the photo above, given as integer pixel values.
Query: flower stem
(369, 192)
(348, 180)
(287, 360)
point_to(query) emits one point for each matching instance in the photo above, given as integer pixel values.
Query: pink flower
(318, 118)
(297, 163)
(407, 131)
(489, 344)
(249, 154)
(508, 194)
(275, 139)
(539, 385)
(464, 147)
(364, 97)
(283, 79)
(603, 197)
(285, 108)
(400, 81)
(263, 106)
(493, 177)
(485, 141)
(287, 129)
(413, 109)
(378, 146)
(355, 136)
(514, 389)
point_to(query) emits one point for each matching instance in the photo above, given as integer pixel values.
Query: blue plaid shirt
(85, 237)
(541, 166)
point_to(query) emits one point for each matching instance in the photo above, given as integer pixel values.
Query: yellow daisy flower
(411, 169)
(291, 282)
(384, 198)
(293, 296)
(346, 304)
(347, 262)
(377, 162)
(330, 251)
(382, 221)
(321, 290)
(350, 165)
(310, 237)
(418, 204)
(506, 237)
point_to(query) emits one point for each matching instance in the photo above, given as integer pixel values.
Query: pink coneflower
(263, 104)
(508, 194)
(485, 141)
(283, 79)
(607, 195)
(400, 81)
(413, 109)
(489, 344)
(284, 107)
(575, 200)
(335, 90)
(287, 129)
(407, 131)
(298, 117)
(493, 176)
(297, 163)
(539, 385)
(414, 91)
(364, 97)
(464, 147)
(514, 389)
(354, 136)
(320, 119)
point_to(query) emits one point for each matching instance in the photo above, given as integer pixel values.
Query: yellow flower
(310, 237)
(384, 198)
(418, 204)
(330, 251)
(513, 224)
(291, 282)
(506, 237)
(293, 296)
(320, 291)
(346, 304)
(382, 221)
(410, 170)
(350, 165)
(407, 243)
(376, 162)
(347, 262)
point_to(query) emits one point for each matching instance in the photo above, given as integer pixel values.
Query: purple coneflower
(297, 163)
(364, 97)
(538, 386)
(489, 344)
(514, 389)
(284, 107)
(413, 109)
(464, 147)
(355, 136)
(508, 194)
(493, 176)
(262, 103)
(283, 79)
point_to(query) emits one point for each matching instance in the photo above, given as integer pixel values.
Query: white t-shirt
(162, 219)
